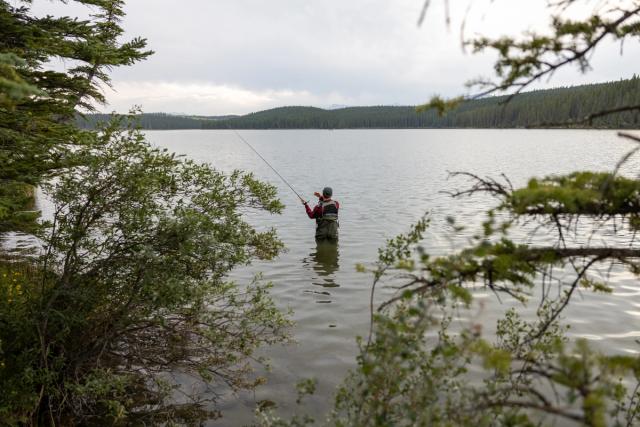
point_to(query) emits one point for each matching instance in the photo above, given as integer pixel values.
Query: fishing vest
(329, 211)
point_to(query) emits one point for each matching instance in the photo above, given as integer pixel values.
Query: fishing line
(268, 164)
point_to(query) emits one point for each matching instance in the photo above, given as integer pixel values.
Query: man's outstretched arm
(315, 213)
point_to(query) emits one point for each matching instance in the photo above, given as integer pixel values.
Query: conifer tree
(38, 103)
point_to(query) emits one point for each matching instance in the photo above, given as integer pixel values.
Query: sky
(217, 57)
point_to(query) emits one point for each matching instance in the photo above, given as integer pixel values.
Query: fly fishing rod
(268, 164)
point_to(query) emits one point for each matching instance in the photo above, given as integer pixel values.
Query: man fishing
(326, 215)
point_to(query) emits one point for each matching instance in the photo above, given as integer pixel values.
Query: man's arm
(315, 213)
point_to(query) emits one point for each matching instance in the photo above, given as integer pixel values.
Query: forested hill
(544, 108)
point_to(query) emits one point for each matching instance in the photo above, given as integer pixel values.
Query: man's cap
(327, 192)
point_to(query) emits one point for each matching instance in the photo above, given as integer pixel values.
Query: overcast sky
(237, 56)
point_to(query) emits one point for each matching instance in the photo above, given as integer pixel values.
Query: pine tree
(38, 104)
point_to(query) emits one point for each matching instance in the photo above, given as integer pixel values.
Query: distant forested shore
(576, 106)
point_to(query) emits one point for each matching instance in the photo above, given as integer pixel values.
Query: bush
(130, 289)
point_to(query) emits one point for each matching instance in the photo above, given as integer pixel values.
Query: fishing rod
(268, 164)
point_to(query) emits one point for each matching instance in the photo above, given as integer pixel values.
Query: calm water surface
(385, 180)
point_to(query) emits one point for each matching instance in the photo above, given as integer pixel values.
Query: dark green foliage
(563, 107)
(16, 207)
(13, 88)
(38, 104)
(157, 121)
(579, 193)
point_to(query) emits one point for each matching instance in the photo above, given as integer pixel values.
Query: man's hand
(318, 195)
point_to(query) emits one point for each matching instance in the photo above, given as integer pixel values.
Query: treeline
(160, 121)
(561, 107)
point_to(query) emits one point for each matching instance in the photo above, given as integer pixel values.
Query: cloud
(209, 99)
(236, 56)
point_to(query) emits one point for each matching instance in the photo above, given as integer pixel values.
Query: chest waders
(327, 225)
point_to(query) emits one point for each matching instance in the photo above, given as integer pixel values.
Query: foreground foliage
(418, 369)
(131, 292)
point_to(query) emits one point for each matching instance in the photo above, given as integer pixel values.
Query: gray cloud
(236, 56)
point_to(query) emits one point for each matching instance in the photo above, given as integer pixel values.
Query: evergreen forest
(577, 106)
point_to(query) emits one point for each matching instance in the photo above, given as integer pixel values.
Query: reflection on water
(323, 261)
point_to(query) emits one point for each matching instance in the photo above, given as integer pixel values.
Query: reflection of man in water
(326, 258)
(325, 263)
(326, 215)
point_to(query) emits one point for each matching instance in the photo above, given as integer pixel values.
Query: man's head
(327, 192)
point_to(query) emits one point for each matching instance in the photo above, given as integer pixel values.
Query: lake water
(385, 180)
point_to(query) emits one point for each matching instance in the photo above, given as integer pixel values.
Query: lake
(385, 180)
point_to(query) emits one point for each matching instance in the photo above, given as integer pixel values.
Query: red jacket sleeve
(315, 213)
